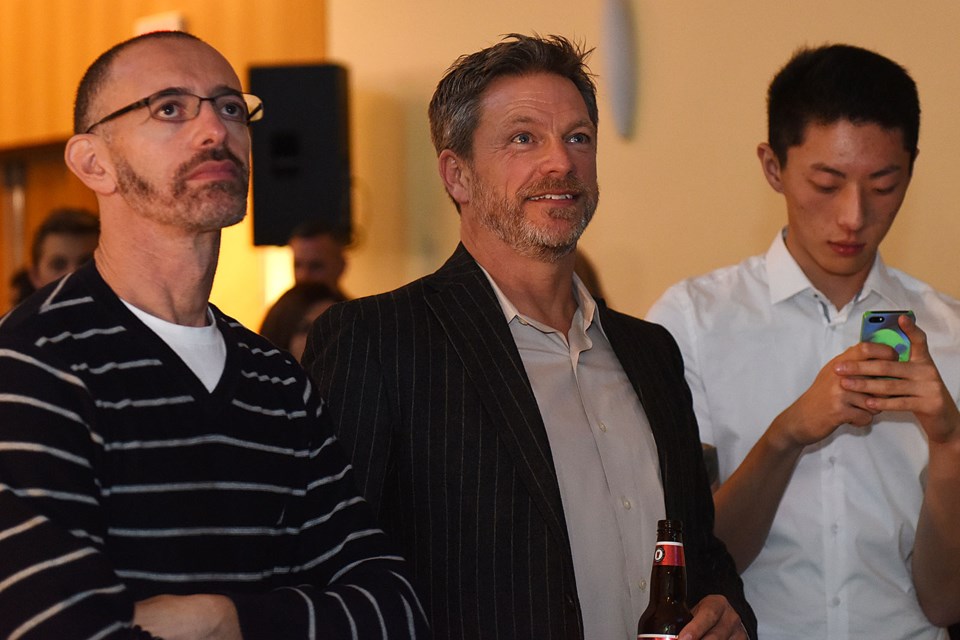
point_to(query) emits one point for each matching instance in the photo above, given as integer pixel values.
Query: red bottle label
(668, 554)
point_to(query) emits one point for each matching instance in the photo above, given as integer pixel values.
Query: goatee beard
(506, 218)
(208, 207)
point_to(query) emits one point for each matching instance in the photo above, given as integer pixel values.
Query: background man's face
(318, 259)
(60, 254)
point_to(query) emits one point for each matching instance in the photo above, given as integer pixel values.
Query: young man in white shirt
(839, 465)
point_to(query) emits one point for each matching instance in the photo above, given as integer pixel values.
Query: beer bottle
(667, 612)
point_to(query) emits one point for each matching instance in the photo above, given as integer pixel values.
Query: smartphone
(884, 327)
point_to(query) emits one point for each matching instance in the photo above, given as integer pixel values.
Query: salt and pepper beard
(208, 207)
(505, 217)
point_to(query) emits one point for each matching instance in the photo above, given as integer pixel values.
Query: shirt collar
(585, 302)
(787, 279)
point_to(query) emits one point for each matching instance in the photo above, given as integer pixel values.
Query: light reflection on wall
(278, 273)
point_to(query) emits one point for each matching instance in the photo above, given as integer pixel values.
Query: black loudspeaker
(301, 150)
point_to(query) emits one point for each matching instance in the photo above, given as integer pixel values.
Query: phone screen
(883, 327)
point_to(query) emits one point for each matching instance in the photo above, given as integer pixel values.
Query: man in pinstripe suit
(519, 438)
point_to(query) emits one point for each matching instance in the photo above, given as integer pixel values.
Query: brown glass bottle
(667, 612)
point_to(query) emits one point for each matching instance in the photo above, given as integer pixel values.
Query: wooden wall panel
(45, 45)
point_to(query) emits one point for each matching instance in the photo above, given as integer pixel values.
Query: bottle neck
(668, 578)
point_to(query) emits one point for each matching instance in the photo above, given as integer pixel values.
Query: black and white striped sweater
(122, 477)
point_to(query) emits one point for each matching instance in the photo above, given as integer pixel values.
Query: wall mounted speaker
(301, 150)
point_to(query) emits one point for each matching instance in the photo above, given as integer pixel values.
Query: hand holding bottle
(667, 616)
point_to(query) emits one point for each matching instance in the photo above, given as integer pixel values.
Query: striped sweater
(122, 477)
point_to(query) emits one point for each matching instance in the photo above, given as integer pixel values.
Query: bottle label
(668, 554)
(655, 636)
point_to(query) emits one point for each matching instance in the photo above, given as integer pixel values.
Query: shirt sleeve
(354, 585)
(675, 311)
(55, 579)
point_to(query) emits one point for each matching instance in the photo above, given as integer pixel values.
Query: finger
(887, 366)
(918, 339)
(860, 417)
(726, 627)
(706, 614)
(866, 351)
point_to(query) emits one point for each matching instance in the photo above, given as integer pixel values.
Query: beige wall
(685, 194)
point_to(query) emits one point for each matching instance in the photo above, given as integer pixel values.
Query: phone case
(883, 327)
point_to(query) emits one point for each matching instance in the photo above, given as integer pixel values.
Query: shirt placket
(837, 553)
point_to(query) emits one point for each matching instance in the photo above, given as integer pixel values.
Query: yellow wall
(685, 194)
(45, 45)
(682, 196)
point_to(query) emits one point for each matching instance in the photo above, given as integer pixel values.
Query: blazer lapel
(470, 314)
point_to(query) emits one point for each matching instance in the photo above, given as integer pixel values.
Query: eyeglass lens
(176, 107)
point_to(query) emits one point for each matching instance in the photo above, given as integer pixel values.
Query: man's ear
(770, 165)
(86, 156)
(456, 176)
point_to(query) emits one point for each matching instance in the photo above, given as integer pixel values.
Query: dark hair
(21, 285)
(455, 107)
(287, 312)
(840, 82)
(64, 221)
(316, 227)
(95, 76)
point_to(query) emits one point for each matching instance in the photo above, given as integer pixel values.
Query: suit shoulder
(409, 295)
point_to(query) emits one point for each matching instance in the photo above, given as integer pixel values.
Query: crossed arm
(335, 575)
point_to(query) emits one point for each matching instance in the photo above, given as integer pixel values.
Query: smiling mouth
(554, 196)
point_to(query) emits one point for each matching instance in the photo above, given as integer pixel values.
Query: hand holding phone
(883, 327)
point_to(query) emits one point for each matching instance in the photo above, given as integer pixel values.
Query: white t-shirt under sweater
(201, 348)
(754, 336)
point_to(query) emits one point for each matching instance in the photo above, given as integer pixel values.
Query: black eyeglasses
(178, 106)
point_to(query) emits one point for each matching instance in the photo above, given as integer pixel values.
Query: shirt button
(835, 602)
(833, 460)
(643, 585)
(834, 528)
(627, 505)
(603, 427)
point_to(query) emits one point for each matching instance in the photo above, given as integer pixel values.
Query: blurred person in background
(319, 254)
(288, 320)
(64, 240)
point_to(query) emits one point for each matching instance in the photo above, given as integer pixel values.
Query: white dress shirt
(606, 461)
(754, 336)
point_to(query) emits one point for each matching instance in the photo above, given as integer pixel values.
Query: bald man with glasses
(165, 472)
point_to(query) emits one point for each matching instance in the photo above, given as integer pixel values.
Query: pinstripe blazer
(430, 399)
